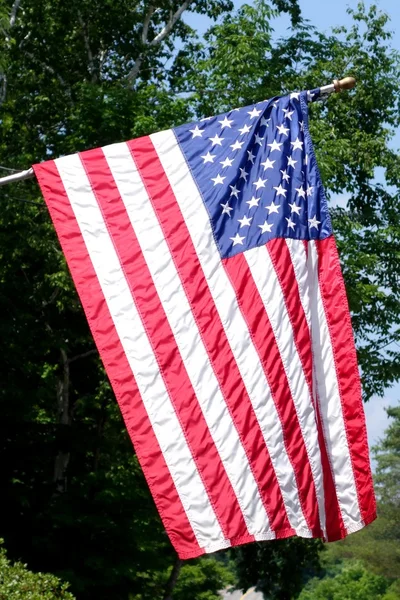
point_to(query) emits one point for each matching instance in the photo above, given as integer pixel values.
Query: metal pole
(337, 86)
(28, 174)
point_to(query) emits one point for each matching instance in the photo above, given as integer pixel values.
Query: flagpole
(337, 86)
(20, 176)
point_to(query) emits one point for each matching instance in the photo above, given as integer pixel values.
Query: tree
(387, 479)
(203, 579)
(279, 570)
(353, 583)
(372, 557)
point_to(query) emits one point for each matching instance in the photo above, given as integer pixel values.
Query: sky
(324, 15)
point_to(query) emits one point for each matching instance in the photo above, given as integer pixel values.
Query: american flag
(206, 265)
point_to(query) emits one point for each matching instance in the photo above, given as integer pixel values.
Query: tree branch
(169, 26)
(3, 76)
(134, 72)
(13, 14)
(91, 65)
(83, 355)
(146, 24)
(3, 87)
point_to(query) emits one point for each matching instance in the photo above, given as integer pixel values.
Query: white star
(273, 208)
(218, 179)
(309, 190)
(310, 96)
(227, 162)
(285, 176)
(237, 239)
(301, 192)
(254, 113)
(295, 96)
(297, 144)
(288, 113)
(264, 121)
(275, 146)
(291, 162)
(226, 209)
(243, 174)
(216, 140)
(245, 222)
(206, 118)
(208, 158)
(258, 139)
(282, 129)
(245, 129)
(253, 202)
(266, 227)
(260, 183)
(225, 123)
(305, 161)
(290, 223)
(295, 209)
(314, 223)
(196, 132)
(251, 156)
(268, 164)
(301, 123)
(235, 191)
(237, 145)
(280, 191)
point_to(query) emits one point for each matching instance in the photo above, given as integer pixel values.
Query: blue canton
(257, 174)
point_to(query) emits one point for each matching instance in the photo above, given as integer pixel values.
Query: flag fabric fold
(207, 268)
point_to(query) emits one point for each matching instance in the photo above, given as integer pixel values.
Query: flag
(207, 268)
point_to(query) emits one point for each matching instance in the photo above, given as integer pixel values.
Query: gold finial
(344, 84)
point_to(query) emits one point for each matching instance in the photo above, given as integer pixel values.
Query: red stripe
(282, 261)
(103, 330)
(162, 340)
(211, 328)
(338, 318)
(264, 340)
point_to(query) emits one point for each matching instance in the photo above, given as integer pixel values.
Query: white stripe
(139, 352)
(238, 335)
(187, 335)
(299, 260)
(269, 288)
(330, 403)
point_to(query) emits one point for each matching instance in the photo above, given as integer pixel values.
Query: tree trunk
(64, 418)
(173, 578)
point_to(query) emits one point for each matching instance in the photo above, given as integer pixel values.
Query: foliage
(84, 74)
(378, 546)
(387, 456)
(279, 569)
(367, 564)
(17, 583)
(375, 546)
(203, 579)
(354, 582)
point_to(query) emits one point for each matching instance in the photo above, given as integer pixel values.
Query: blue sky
(324, 15)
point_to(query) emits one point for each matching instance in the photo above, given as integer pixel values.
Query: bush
(17, 583)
